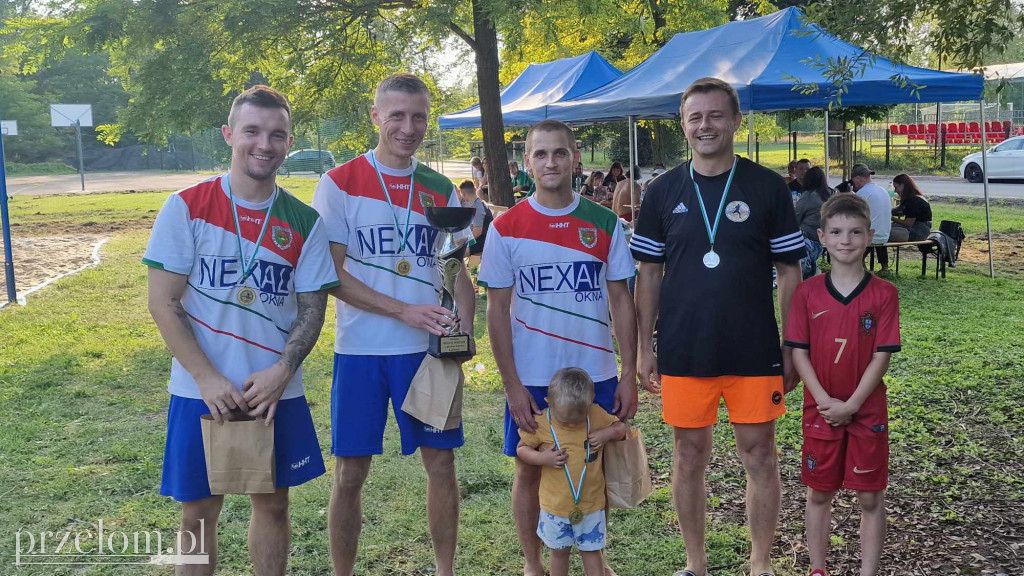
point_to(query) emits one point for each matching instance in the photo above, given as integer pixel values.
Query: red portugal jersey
(842, 333)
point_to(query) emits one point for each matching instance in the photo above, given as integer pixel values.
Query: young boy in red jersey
(843, 326)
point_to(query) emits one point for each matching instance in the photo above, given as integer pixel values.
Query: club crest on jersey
(867, 323)
(588, 237)
(737, 211)
(282, 237)
(426, 200)
(811, 462)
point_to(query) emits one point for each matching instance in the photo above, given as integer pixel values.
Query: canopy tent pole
(631, 124)
(440, 147)
(750, 136)
(984, 174)
(826, 145)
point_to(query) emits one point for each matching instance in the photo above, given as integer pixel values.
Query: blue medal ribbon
(713, 232)
(576, 491)
(247, 268)
(402, 234)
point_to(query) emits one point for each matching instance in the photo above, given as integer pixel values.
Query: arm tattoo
(182, 317)
(303, 334)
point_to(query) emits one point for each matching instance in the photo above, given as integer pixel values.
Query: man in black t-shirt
(707, 238)
(796, 185)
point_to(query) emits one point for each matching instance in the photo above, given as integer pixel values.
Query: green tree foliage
(938, 33)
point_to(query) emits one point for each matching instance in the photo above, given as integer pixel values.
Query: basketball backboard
(9, 127)
(68, 114)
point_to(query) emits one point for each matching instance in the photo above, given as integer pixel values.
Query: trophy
(449, 220)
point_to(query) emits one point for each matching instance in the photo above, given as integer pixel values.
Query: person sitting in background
(479, 176)
(578, 177)
(481, 218)
(591, 184)
(614, 175)
(791, 171)
(808, 217)
(522, 184)
(796, 185)
(624, 203)
(912, 219)
(881, 210)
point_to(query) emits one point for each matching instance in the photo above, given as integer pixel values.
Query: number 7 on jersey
(842, 346)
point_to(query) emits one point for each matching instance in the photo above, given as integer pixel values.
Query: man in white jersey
(384, 251)
(238, 276)
(553, 265)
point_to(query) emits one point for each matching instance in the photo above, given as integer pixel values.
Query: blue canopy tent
(525, 99)
(761, 58)
(765, 59)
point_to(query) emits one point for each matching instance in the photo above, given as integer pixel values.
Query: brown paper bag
(455, 412)
(433, 392)
(239, 455)
(626, 472)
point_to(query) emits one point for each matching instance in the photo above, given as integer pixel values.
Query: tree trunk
(499, 183)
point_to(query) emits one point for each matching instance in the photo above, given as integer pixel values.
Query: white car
(1005, 160)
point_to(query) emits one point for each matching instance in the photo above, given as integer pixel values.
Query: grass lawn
(83, 404)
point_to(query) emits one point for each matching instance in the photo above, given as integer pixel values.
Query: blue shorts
(359, 406)
(297, 457)
(604, 396)
(559, 533)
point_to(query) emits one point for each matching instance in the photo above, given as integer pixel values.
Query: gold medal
(576, 516)
(246, 296)
(404, 267)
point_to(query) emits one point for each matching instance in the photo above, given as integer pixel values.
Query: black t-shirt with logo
(718, 321)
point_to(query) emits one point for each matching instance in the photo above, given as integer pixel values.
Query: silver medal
(711, 259)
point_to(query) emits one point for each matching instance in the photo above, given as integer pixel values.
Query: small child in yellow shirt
(568, 445)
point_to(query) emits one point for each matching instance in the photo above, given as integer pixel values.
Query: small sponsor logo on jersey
(383, 241)
(581, 278)
(867, 323)
(588, 237)
(247, 218)
(558, 225)
(300, 463)
(432, 430)
(737, 211)
(282, 237)
(776, 397)
(272, 279)
(680, 209)
(811, 462)
(857, 470)
(878, 428)
(816, 314)
(426, 200)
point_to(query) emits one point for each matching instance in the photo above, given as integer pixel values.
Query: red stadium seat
(903, 129)
(912, 132)
(894, 129)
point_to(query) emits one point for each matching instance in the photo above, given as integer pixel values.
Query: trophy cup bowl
(449, 220)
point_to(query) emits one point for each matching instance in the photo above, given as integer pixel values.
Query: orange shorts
(693, 402)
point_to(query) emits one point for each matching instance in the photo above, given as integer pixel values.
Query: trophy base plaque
(448, 346)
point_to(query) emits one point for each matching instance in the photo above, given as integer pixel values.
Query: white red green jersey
(359, 216)
(559, 263)
(242, 326)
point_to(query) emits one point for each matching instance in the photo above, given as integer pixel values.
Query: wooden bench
(932, 245)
